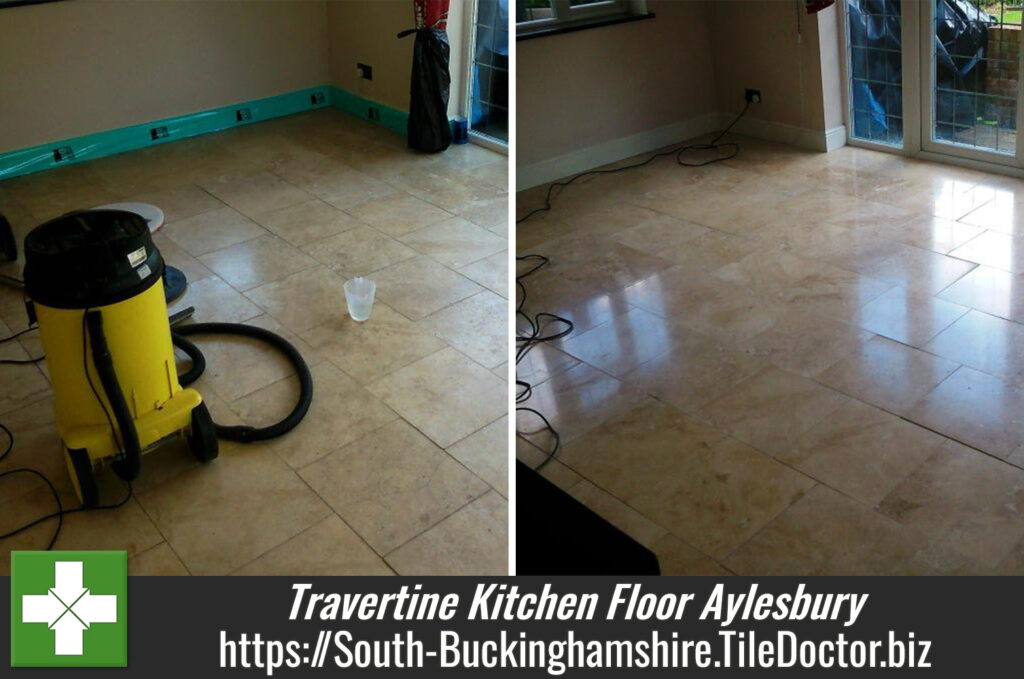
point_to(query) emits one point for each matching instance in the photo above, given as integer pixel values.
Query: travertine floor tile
(420, 286)
(889, 375)
(212, 230)
(994, 249)
(909, 317)
(485, 453)
(977, 409)
(543, 361)
(554, 471)
(455, 242)
(721, 309)
(255, 262)
(929, 233)
(342, 411)
(920, 270)
(126, 528)
(472, 541)
(708, 489)
(252, 194)
(625, 342)
(215, 300)
(660, 233)
(696, 371)
(805, 344)
(964, 499)
(477, 326)
(306, 222)
(675, 557)
(370, 349)
(575, 401)
(359, 251)
(445, 395)
(770, 410)
(327, 548)
(618, 513)
(985, 343)
(19, 384)
(175, 256)
(303, 300)
(490, 272)
(178, 202)
(223, 515)
(399, 214)
(862, 451)
(993, 291)
(159, 560)
(392, 485)
(827, 533)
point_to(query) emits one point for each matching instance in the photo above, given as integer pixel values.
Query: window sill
(597, 22)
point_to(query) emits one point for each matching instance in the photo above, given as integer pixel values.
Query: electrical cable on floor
(242, 433)
(524, 343)
(19, 361)
(61, 511)
(679, 152)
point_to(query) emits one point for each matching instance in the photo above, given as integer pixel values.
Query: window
(488, 95)
(542, 16)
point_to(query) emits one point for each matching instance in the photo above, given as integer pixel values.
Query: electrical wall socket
(752, 96)
(364, 71)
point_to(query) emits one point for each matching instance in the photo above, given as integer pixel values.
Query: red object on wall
(431, 13)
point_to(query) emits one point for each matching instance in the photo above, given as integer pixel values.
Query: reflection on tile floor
(788, 362)
(401, 463)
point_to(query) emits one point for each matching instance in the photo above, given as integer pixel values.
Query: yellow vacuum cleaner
(93, 280)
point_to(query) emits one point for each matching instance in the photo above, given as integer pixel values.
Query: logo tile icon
(68, 609)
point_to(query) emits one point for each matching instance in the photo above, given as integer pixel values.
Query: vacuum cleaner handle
(127, 467)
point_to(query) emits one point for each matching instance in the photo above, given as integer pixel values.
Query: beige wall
(121, 63)
(580, 89)
(363, 31)
(756, 45)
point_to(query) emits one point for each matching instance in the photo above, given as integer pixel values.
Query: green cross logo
(68, 609)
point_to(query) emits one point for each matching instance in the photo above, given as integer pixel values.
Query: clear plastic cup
(359, 294)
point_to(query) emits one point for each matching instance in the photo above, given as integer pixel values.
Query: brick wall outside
(1003, 68)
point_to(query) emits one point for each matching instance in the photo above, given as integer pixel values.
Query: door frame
(917, 100)
(466, 105)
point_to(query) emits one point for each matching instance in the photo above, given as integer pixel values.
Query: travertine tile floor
(789, 362)
(401, 464)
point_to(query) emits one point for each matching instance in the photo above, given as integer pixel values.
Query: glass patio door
(488, 76)
(874, 38)
(970, 94)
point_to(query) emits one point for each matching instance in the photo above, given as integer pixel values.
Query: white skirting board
(542, 172)
(613, 151)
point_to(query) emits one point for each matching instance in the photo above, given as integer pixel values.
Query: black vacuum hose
(128, 467)
(244, 433)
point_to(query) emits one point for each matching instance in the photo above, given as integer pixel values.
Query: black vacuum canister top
(90, 259)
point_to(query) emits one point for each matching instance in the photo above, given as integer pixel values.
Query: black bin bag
(429, 129)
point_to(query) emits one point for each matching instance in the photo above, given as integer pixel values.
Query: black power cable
(61, 511)
(679, 152)
(244, 434)
(524, 343)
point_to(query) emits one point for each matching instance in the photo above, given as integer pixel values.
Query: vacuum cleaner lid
(90, 259)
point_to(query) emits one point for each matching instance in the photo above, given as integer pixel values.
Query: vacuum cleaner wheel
(203, 438)
(84, 476)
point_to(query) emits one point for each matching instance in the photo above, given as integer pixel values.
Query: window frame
(564, 15)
